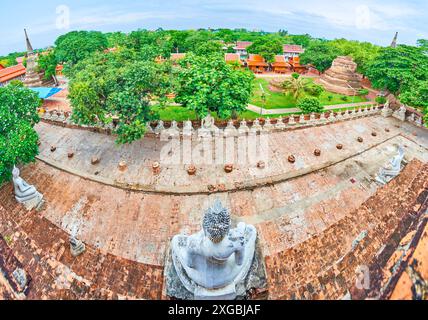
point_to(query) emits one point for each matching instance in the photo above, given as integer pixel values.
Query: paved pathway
(263, 111)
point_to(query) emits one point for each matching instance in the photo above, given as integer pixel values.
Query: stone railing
(228, 128)
(405, 113)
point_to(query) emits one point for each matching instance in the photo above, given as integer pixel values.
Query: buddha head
(216, 223)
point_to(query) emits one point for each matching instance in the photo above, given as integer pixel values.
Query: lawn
(278, 100)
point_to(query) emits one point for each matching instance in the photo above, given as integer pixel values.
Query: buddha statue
(211, 263)
(392, 168)
(25, 193)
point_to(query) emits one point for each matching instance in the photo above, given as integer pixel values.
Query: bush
(330, 97)
(315, 90)
(363, 92)
(380, 100)
(344, 98)
(309, 105)
(295, 75)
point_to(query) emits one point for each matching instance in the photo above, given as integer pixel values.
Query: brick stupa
(342, 77)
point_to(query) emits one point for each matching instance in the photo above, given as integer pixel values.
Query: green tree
(119, 86)
(310, 105)
(208, 84)
(77, 45)
(18, 139)
(47, 63)
(267, 47)
(210, 47)
(398, 69)
(320, 54)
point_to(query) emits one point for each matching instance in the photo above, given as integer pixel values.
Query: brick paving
(314, 228)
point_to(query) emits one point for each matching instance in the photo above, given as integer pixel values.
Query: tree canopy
(208, 84)
(267, 47)
(77, 45)
(119, 85)
(18, 139)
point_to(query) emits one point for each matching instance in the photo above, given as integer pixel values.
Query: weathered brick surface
(324, 266)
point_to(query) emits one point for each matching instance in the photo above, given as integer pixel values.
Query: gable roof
(229, 57)
(177, 56)
(12, 73)
(256, 60)
(240, 45)
(280, 61)
(293, 48)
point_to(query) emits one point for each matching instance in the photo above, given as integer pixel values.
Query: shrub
(380, 100)
(363, 92)
(295, 75)
(309, 105)
(344, 98)
(315, 90)
(330, 97)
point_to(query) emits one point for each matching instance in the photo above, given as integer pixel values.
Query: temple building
(292, 51)
(12, 73)
(342, 77)
(233, 58)
(257, 63)
(241, 48)
(280, 65)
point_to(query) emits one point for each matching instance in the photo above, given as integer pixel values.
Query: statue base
(35, 203)
(255, 280)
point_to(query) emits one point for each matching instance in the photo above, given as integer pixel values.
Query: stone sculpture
(187, 128)
(208, 127)
(386, 111)
(400, 114)
(392, 168)
(25, 193)
(268, 125)
(213, 262)
(280, 124)
(291, 120)
(77, 247)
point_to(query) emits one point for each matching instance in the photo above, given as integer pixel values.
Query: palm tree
(295, 85)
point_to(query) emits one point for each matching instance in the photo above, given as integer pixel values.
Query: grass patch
(279, 100)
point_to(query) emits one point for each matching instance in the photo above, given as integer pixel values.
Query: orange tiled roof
(280, 62)
(256, 60)
(12, 72)
(1, 66)
(293, 48)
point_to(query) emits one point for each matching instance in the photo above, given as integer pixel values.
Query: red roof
(12, 73)
(177, 56)
(1, 66)
(240, 45)
(230, 57)
(293, 48)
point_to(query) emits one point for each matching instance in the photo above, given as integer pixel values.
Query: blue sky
(368, 20)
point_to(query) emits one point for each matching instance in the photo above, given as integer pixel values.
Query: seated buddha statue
(213, 261)
(24, 192)
(392, 168)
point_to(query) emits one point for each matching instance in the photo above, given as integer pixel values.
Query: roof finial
(394, 41)
(27, 40)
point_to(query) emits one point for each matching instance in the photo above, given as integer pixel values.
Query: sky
(375, 21)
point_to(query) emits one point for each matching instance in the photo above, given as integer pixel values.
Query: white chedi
(25, 193)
